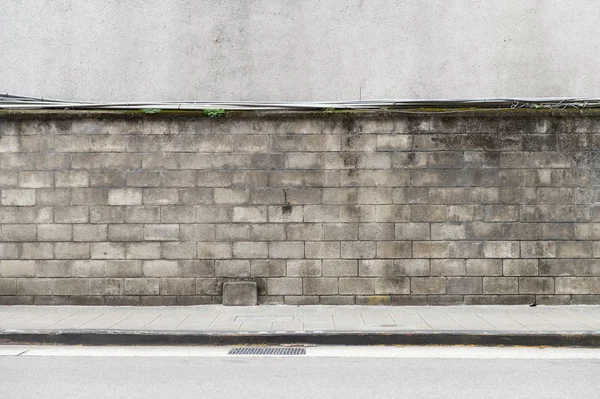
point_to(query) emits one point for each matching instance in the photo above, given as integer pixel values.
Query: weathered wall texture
(466, 207)
(298, 50)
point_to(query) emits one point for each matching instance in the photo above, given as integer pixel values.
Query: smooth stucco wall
(288, 50)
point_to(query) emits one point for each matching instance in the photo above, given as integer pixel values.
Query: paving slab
(278, 324)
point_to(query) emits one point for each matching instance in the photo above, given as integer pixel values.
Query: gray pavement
(63, 377)
(309, 319)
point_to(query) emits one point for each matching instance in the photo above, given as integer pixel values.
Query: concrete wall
(340, 208)
(288, 50)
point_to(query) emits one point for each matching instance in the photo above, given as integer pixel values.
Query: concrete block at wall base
(240, 293)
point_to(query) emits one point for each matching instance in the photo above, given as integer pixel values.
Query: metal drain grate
(248, 350)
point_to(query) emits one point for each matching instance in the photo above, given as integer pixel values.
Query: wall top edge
(309, 114)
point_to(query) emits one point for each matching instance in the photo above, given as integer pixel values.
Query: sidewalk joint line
(184, 319)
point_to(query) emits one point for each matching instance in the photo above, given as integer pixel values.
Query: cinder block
(412, 267)
(284, 286)
(9, 144)
(397, 142)
(71, 214)
(356, 286)
(464, 285)
(160, 268)
(340, 268)
(263, 196)
(48, 196)
(376, 231)
(305, 231)
(484, 267)
(394, 249)
(9, 251)
(392, 286)
(573, 249)
(429, 213)
(107, 214)
(160, 196)
(179, 250)
(72, 178)
(125, 196)
(107, 250)
(428, 285)
(520, 267)
(232, 232)
(125, 232)
(340, 231)
(321, 213)
(573, 285)
(89, 196)
(358, 249)
(466, 249)
(197, 232)
(8, 286)
(500, 285)
(322, 250)
(232, 268)
(177, 286)
(377, 267)
(268, 268)
(52, 268)
(268, 232)
(231, 196)
(34, 286)
(286, 250)
(448, 267)
(177, 214)
(249, 214)
(303, 195)
(196, 268)
(240, 293)
(70, 286)
(144, 214)
(141, 286)
(448, 231)
(106, 286)
(36, 179)
(214, 250)
(71, 250)
(412, 231)
(86, 232)
(536, 285)
(501, 249)
(538, 249)
(286, 213)
(161, 232)
(375, 195)
(37, 250)
(252, 250)
(18, 197)
(320, 286)
(106, 178)
(142, 178)
(430, 249)
(124, 268)
(304, 268)
(88, 268)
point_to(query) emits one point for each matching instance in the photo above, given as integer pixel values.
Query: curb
(477, 338)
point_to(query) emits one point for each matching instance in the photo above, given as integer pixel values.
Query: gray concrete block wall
(486, 207)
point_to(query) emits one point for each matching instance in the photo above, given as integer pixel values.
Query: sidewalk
(331, 325)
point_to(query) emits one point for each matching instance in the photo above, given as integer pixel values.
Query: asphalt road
(162, 376)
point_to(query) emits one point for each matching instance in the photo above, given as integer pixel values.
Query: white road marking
(401, 352)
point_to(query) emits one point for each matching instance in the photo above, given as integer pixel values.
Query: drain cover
(249, 350)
